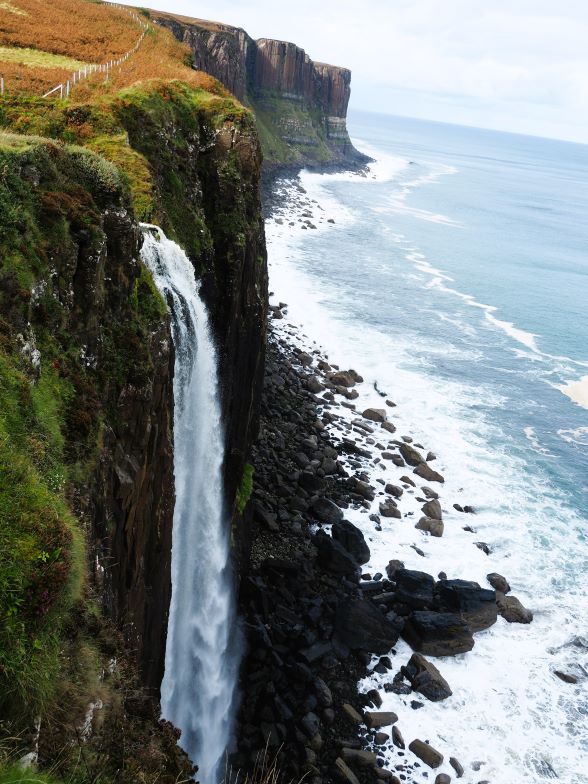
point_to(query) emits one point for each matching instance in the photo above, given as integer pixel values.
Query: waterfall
(202, 653)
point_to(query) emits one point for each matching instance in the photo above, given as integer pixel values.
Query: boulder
(326, 511)
(389, 509)
(433, 509)
(394, 490)
(360, 625)
(389, 427)
(443, 778)
(477, 606)
(428, 493)
(313, 384)
(393, 567)
(380, 738)
(566, 677)
(345, 773)
(410, 454)
(437, 634)
(376, 719)
(512, 609)
(498, 582)
(351, 713)
(431, 526)
(375, 414)
(425, 678)
(364, 489)
(334, 557)
(397, 738)
(365, 759)
(344, 378)
(457, 767)
(426, 753)
(352, 540)
(414, 588)
(426, 472)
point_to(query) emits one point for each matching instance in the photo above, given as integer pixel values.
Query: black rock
(334, 557)
(361, 625)
(477, 606)
(414, 588)
(437, 634)
(352, 540)
(426, 678)
(326, 511)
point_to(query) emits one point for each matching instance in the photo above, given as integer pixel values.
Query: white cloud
(513, 64)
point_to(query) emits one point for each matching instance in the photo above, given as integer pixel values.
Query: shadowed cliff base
(300, 105)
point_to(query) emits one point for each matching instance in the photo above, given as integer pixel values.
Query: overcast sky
(514, 65)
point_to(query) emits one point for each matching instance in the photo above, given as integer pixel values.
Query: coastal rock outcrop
(301, 104)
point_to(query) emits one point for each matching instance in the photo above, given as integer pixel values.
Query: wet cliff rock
(300, 105)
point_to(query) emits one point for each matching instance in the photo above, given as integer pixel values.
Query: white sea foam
(577, 391)
(577, 435)
(508, 710)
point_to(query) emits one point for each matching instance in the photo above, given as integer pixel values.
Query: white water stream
(202, 653)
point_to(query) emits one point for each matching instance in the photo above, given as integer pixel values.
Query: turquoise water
(456, 275)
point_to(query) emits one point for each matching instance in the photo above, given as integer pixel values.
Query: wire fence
(64, 89)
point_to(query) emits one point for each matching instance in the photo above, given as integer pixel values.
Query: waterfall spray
(202, 653)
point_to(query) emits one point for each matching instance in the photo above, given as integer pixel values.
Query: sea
(453, 274)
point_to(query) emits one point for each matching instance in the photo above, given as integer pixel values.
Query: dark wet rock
(429, 493)
(433, 509)
(389, 509)
(326, 511)
(425, 678)
(407, 481)
(498, 582)
(414, 588)
(512, 610)
(458, 507)
(345, 378)
(393, 567)
(437, 634)
(374, 697)
(394, 490)
(426, 472)
(443, 778)
(344, 773)
(457, 767)
(313, 384)
(431, 456)
(415, 704)
(363, 489)
(483, 547)
(477, 606)
(352, 540)
(365, 759)
(361, 625)
(397, 738)
(388, 427)
(410, 454)
(375, 414)
(469, 510)
(380, 738)
(376, 719)
(566, 677)
(351, 713)
(334, 557)
(431, 526)
(426, 753)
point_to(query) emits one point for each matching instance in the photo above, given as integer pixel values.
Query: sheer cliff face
(300, 105)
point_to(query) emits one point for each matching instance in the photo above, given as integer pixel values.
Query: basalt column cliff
(300, 105)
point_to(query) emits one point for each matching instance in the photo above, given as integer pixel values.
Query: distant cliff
(300, 105)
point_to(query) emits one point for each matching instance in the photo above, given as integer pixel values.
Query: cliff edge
(300, 105)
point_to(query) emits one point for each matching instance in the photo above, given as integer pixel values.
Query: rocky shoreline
(316, 626)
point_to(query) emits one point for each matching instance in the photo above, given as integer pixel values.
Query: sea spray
(202, 653)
